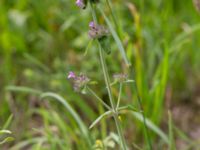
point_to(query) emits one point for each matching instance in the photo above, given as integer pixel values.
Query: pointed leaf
(8, 139)
(116, 38)
(99, 118)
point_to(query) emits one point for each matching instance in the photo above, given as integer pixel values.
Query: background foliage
(40, 41)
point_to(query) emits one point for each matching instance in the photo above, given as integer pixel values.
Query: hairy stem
(138, 96)
(107, 81)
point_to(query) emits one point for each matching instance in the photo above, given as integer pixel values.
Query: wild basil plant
(81, 83)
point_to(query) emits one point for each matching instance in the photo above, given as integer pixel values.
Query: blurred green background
(41, 41)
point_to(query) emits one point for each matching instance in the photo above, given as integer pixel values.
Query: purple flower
(97, 31)
(71, 75)
(81, 4)
(79, 82)
(92, 24)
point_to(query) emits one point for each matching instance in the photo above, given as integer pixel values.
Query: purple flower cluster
(97, 31)
(71, 75)
(79, 82)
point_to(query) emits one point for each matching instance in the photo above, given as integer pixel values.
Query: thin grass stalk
(107, 81)
(113, 16)
(106, 76)
(138, 96)
(143, 116)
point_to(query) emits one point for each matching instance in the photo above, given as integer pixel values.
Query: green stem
(106, 77)
(119, 96)
(107, 81)
(143, 116)
(98, 98)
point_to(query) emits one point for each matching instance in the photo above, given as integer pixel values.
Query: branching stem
(107, 81)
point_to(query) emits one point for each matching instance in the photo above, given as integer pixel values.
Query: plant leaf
(5, 132)
(23, 89)
(99, 118)
(71, 111)
(8, 121)
(171, 133)
(8, 139)
(116, 38)
(152, 126)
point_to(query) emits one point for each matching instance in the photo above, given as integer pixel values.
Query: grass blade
(23, 89)
(171, 133)
(8, 122)
(25, 143)
(71, 111)
(5, 132)
(151, 126)
(99, 118)
(8, 139)
(36, 62)
(186, 34)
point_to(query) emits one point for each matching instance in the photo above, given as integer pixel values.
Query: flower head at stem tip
(81, 4)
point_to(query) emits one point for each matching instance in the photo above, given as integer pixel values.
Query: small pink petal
(80, 4)
(92, 24)
(71, 75)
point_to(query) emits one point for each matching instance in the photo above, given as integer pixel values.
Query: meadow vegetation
(134, 86)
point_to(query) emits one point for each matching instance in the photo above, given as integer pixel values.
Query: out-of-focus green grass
(40, 41)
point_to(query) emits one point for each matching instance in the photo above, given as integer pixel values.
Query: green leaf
(22, 144)
(116, 38)
(8, 139)
(152, 126)
(71, 111)
(8, 122)
(68, 23)
(99, 118)
(88, 47)
(128, 107)
(185, 34)
(5, 132)
(23, 89)
(171, 133)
